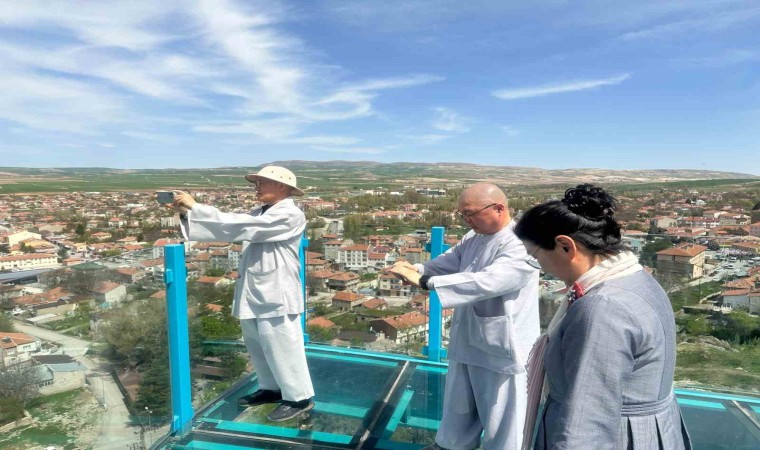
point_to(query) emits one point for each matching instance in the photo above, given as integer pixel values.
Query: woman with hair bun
(609, 353)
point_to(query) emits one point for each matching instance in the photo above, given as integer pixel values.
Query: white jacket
(269, 282)
(494, 293)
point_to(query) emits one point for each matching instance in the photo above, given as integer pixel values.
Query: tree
(6, 323)
(649, 252)
(321, 334)
(20, 382)
(215, 272)
(232, 365)
(154, 392)
(138, 333)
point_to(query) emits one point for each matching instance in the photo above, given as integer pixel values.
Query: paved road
(115, 431)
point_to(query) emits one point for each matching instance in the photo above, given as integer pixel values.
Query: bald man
(494, 293)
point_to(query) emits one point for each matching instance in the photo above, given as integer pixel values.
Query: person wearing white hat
(268, 294)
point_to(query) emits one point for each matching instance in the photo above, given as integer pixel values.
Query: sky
(213, 83)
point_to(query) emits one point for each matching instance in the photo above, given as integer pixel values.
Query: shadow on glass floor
(382, 401)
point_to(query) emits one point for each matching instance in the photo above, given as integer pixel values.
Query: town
(82, 293)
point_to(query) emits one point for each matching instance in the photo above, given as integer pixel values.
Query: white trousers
(278, 355)
(479, 401)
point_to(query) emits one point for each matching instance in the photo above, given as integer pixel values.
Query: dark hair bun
(590, 202)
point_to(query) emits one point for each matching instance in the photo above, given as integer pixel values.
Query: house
(129, 275)
(109, 293)
(316, 264)
(664, 222)
(101, 236)
(320, 322)
(214, 281)
(17, 347)
(343, 281)
(747, 299)
(746, 248)
(331, 249)
(317, 280)
(346, 300)
(59, 373)
(375, 303)
(409, 327)
(354, 257)
(210, 368)
(28, 261)
(635, 239)
(214, 308)
(377, 261)
(12, 239)
(414, 255)
(390, 285)
(684, 260)
(754, 229)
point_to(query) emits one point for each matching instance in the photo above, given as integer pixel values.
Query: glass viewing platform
(384, 401)
(373, 400)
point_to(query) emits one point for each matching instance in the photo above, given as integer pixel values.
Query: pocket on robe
(492, 335)
(264, 288)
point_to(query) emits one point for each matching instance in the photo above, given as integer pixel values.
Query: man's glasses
(470, 215)
(532, 261)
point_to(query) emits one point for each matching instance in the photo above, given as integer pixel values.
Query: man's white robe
(494, 293)
(268, 295)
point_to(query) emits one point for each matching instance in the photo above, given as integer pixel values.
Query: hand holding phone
(165, 197)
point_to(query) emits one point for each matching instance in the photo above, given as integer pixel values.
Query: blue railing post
(175, 277)
(434, 349)
(302, 257)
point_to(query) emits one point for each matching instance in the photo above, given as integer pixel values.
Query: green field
(336, 177)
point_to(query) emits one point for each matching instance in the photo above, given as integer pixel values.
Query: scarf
(617, 266)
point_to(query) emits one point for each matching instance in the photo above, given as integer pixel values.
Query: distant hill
(460, 172)
(343, 175)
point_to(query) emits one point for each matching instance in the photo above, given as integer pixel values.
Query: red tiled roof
(104, 287)
(209, 280)
(321, 322)
(214, 307)
(346, 296)
(683, 250)
(345, 276)
(408, 320)
(16, 339)
(27, 256)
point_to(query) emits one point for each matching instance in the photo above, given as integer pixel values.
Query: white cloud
(394, 83)
(426, 139)
(271, 129)
(538, 91)
(713, 21)
(448, 120)
(125, 61)
(509, 131)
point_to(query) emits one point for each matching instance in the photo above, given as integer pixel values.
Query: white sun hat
(278, 174)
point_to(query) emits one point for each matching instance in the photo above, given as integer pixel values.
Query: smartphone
(165, 197)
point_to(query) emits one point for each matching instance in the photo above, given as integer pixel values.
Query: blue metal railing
(434, 350)
(175, 277)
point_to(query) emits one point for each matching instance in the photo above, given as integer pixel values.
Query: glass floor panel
(384, 401)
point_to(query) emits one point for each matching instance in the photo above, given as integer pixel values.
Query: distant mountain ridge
(509, 174)
(399, 173)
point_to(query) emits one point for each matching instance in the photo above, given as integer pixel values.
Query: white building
(16, 347)
(14, 238)
(29, 261)
(354, 257)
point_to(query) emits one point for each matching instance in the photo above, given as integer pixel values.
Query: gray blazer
(610, 372)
